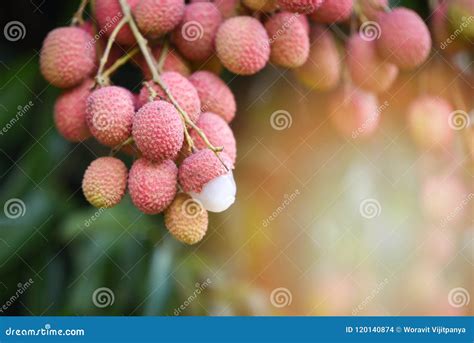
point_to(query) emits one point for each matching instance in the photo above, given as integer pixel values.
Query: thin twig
(119, 62)
(164, 53)
(78, 16)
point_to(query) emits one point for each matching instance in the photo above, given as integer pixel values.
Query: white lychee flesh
(218, 194)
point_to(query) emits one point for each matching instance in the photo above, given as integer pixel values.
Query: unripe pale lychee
(104, 182)
(207, 180)
(182, 90)
(228, 8)
(372, 8)
(428, 119)
(461, 13)
(173, 62)
(217, 132)
(109, 114)
(404, 38)
(333, 11)
(157, 17)
(215, 95)
(300, 6)
(242, 45)
(186, 219)
(289, 40)
(322, 70)
(353, 112)
(158, 130)
(70, 112)
(261, 5)
(366, 68)
(152, 186)
(108, 14)
(194, 37)
(67, 56)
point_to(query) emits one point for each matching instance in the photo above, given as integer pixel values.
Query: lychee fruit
(366, 68)
(67, 57)
(204, 176)
(428, 119)
(300, 6)
(186, 219)
(228, 8)
(152, 185)
(372, 8)
(333, 11)
(242, 45)
(322, 70)
(70, 112)
(441, 29)
(108, 14)
(157, 17)
(461, 13)
(158, 130)
(261, 5)
(195, 35)
(353, 112)
(404, 38)
(215, 95)
(289, 40)
(217, 132)
(182, 90)
(104, 182)
(109, 114)
(172, 62)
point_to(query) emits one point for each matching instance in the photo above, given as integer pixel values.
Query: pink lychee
(333, 11)
(300, 6)
(172, 62)
(157, 17)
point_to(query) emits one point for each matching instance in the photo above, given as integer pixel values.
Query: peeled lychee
(333, 11)
(353, 112)
(300, 6)
(67, 56)
(289, 40)
(215, 95)
(404, 38)
(70, 112)
(195, 35)
(372, 8)
(428, 119)
(366, 68)
(157, 17)
(261, 5)
(186, 219)
(158, 130)
(108, 14)
(182, 90)
(109, 114)
(217, 132)
(203, 176)
(172, 62)
(322, 69)
(152, 185)
(104, 182)
(242, 45)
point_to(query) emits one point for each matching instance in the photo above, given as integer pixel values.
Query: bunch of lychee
(177, 126)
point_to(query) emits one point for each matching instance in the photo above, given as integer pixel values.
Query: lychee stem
(164, 52)
(100, 79)
(78, 16)
(152, 65)
(116, 148)
(119, 62)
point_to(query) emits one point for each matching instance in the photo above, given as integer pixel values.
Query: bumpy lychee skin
(108, 14)
(186, 219)
(261, 5)
(67, 56)
(428, 119)
(218, 132)
(215, 95)
(289, 40)
(322, 70)
(182, 90)
(242, 45)
(367, 70)
(173, 62)
(372, 8)
(333, 11)
(109, 114)
(70, 112)
(157, 17)
(158, 131)
(354, 112)
(404, 38)
(228, 8)
(300, 6)
(104, 182)
(152, 186)
(195, 35)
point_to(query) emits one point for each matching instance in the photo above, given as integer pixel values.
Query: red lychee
(172, 62)
(333, 11)
(157, 17)
(300, 6)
